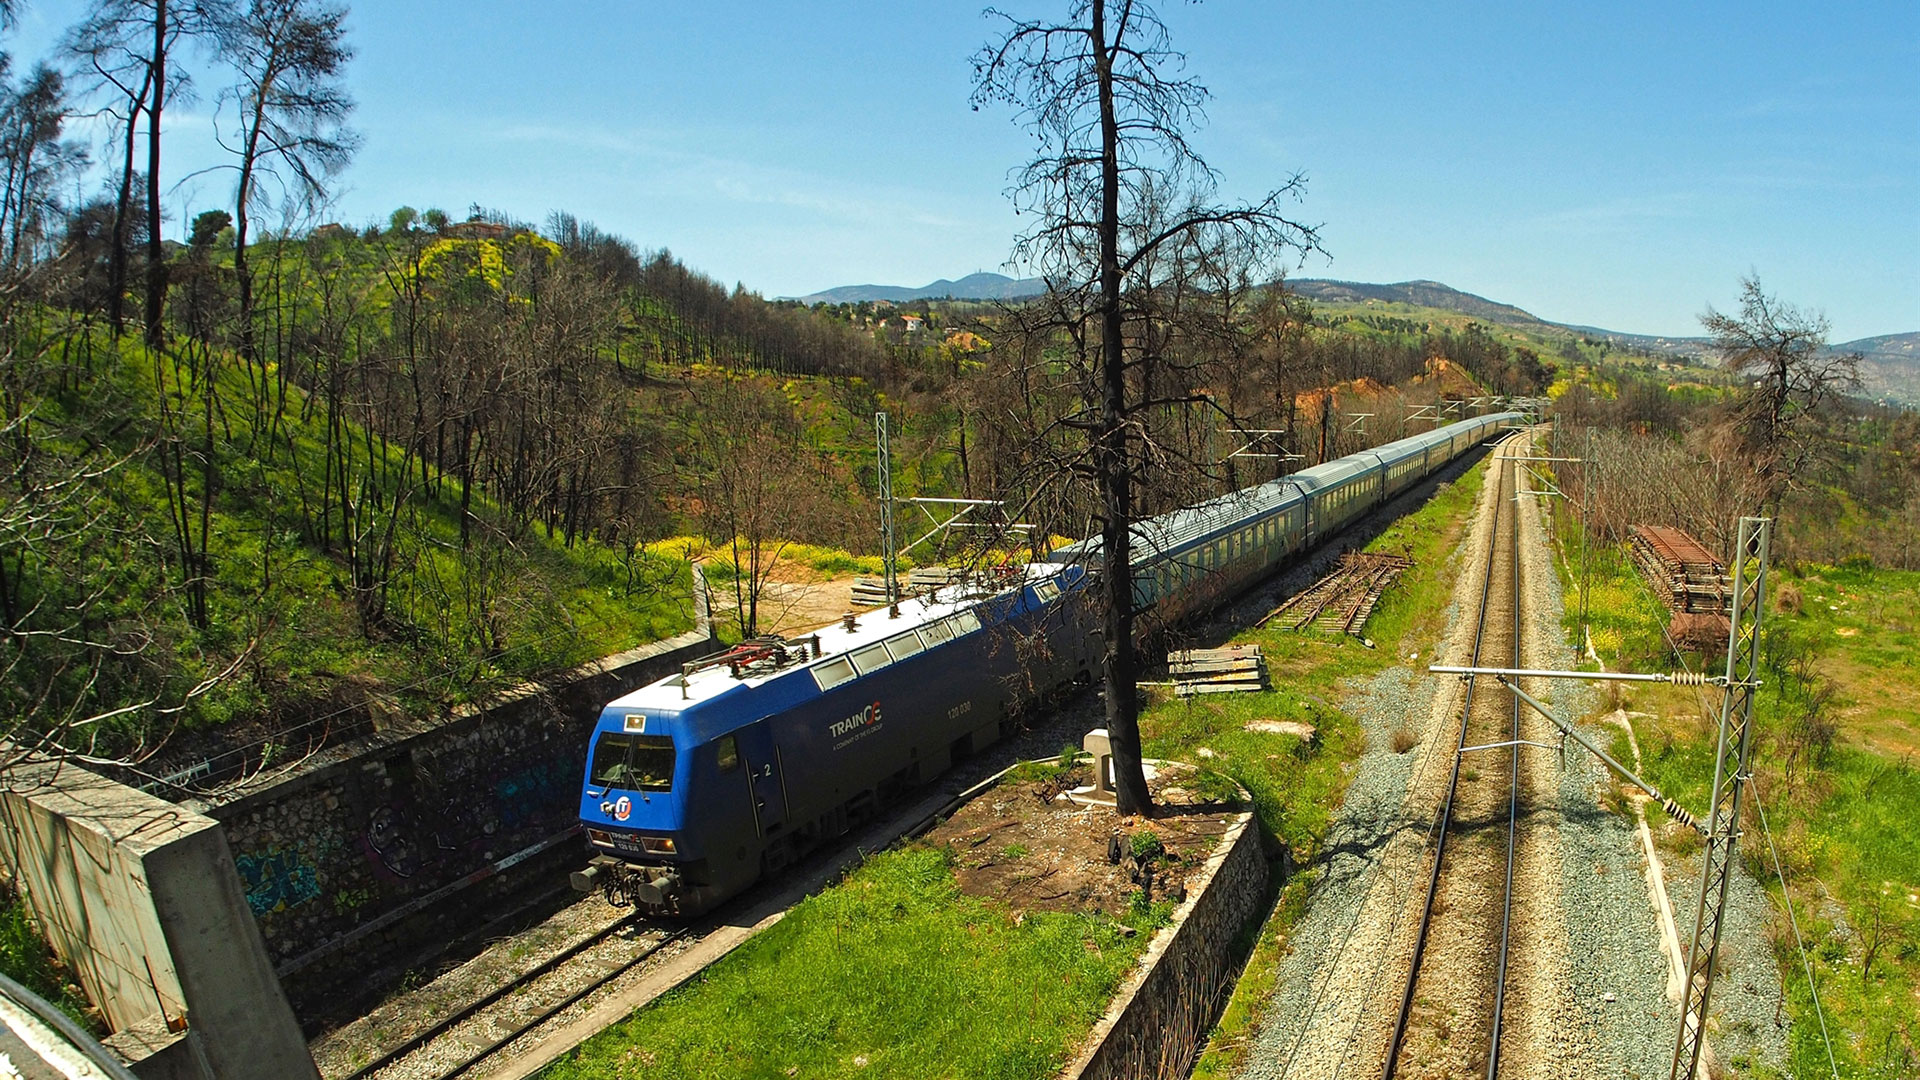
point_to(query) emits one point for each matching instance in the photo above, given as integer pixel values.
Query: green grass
(1844, 827)
(893, 973)
(1866, 622)
(26, 959)
(1852, 857)
(1626, 622)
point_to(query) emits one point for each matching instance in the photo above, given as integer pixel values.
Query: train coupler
(601, 868)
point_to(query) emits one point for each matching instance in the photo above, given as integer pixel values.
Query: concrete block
(1098, 743)
(141, 897)
(155, 1053)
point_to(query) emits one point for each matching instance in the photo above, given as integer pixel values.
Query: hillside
(980, 286)
(292, 577)
(1430, 294)
(1890, 371)
(1342, 295)
(456, 474)
(1889, 366)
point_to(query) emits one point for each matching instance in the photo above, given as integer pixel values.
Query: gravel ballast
(1612, 1017)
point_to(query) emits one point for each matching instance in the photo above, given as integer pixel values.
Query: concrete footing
(141, 897)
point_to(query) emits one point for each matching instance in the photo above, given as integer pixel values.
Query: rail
(421, 1039)
(1503, 504)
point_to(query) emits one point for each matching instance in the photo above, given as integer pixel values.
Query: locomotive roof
(666, 695)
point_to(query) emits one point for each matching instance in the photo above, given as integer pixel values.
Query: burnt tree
(1118, 197)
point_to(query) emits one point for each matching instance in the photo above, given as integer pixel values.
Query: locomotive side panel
(903, 722)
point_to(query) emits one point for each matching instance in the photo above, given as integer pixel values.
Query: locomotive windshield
(633, 762)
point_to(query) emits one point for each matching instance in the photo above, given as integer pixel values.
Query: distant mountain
(1418, 293)
(1889, 366)
(1433, 294)
(981, 286)
(1889, 370)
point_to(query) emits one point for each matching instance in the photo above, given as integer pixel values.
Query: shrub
(1788, 599)
(1145, 845)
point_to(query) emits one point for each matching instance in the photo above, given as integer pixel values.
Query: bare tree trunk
(117, 257)
(242, 274)
(156, 255)
(1113, 469)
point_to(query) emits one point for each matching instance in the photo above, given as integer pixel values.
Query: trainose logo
(868, 715)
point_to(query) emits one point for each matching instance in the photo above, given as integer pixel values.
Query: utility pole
(1731, 770)
(885, 467)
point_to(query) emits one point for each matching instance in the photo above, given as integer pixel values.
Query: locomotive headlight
(600, 837)
(657, 845)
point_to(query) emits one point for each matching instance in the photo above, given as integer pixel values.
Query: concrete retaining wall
(1159, 1021)
(140, 897)
(353, 863)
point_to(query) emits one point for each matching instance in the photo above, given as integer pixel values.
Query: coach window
(727, 752)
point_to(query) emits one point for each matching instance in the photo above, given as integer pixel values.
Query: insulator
(1689, 678)
(1680, 815)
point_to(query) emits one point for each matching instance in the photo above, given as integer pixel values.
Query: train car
(1196, 557)
(699, 783)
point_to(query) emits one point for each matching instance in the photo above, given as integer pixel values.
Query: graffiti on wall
(535, 793)
(276, 879)
(389, 838)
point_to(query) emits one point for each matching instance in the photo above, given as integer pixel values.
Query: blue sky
(1615, 165)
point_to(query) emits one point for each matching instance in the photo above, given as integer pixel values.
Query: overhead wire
(1786, 895)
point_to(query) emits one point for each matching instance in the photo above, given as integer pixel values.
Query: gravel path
(1615, 977)
(1332, 1011)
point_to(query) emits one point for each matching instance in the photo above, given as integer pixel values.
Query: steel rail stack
(1691, 579)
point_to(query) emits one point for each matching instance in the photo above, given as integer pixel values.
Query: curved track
(1452, 1007)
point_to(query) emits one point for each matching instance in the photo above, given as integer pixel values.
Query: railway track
(1341, 601)
(1453, 1004)
(465, 1039)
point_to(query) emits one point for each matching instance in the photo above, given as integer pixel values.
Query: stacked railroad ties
(872, 591)
(1689, 580)
(1229, 670)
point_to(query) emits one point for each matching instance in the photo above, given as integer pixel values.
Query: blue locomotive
(699, 783)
